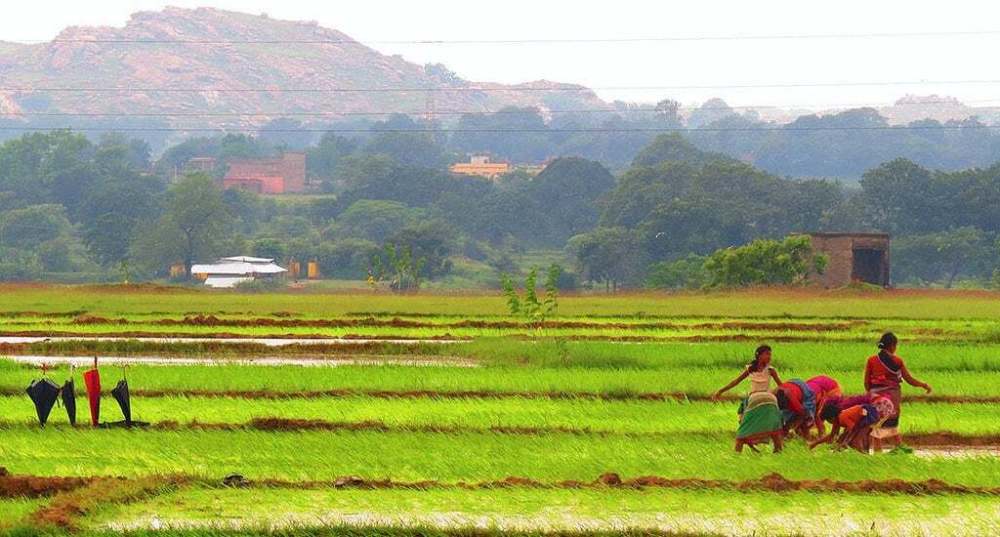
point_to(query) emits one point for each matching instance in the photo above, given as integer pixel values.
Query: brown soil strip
(219, 335)
(70, 505)
(13, 486)
(476, 394)
(263, 361)
(947, 439)
(387, 394)
(940, 439)
(397, 322)
(739, 338)
(19, 314)
(283, 424)
(769, 483)
(935, 439)
(63, 511)
(209, 347)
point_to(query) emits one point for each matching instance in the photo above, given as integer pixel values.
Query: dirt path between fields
(13, 486)
(773, 482)
(270, 341)
(398, 322)
(466, 394)
(935, 444)
(86, 361)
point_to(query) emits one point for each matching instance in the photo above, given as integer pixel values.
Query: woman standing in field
(760, 419)
(884, 374)
(760, 372)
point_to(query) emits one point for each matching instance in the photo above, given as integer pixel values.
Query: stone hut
(853, 257)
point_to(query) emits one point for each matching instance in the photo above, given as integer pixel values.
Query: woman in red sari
(885, 372)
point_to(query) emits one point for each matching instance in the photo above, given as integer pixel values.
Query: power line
(529, 41)
(783, 128)
(415, 89)
(647, 109)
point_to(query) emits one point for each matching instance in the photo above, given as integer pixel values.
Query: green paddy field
(440, 414)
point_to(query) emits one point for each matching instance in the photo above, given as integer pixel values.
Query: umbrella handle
(95, 362)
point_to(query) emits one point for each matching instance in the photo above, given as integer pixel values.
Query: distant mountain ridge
(143, 58)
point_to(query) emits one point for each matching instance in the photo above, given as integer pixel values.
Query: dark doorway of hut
(869, 266)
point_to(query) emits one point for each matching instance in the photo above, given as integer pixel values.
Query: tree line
(834, 145)
(103, 210)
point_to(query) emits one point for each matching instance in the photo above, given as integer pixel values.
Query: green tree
(379, 177)
(113, 210)
(269, 248)
(567, 191)
(417, 149)
(195, 225)
(373, 220)
(44, 168)
(609, 255)
(900, 197)
(432, 242)
(346, 258)
(323, 159)
(31, 226)
(674, 148)
(765, 262)
(944, 256)
(685, 273)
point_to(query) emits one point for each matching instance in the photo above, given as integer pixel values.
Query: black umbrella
(120, 393)
(69, 400)
(43, 393)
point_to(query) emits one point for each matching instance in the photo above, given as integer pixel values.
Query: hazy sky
(728, 62)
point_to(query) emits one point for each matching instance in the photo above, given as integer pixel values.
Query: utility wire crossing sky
(784, 53)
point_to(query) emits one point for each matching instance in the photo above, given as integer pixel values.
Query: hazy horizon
(872, 69)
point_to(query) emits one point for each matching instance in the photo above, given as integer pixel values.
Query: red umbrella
(92, 379)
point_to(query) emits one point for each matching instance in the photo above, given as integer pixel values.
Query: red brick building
(285, 174)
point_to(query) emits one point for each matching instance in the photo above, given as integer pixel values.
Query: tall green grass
(114, 301)
(612, 417)
(509, 510)
(570, 380)
(314, 455)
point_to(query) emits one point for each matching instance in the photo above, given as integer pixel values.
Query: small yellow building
(481, 166)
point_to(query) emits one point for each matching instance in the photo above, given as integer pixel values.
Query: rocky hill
(157, 58)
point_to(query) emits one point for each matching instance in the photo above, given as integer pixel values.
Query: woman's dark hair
(888, 340)
(754, 364)
(782, 398)
(829, 412)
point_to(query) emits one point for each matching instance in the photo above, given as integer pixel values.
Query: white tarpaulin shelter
(228, 272)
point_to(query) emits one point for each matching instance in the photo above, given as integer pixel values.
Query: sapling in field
(529, 306)
(406, 268)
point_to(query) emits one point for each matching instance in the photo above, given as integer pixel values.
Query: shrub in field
(406, 269)
(260, 286)
(529, 305)
(686, 273)
(764, 262)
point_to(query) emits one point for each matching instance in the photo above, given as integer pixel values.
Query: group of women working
(769, 415)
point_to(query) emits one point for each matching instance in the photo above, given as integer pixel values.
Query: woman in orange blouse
(885, 372)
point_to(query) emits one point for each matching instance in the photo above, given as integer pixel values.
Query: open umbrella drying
(43, 394)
